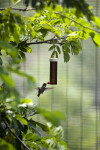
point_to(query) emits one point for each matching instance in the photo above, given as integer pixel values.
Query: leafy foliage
(81, 6)
(62, 23)
(18, 128)
(13, 120)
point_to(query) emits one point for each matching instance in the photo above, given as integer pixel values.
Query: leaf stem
(77, 22)
(20, 9)
(9, 128)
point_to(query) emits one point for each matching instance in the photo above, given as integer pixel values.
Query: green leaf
(12, 51)
(97, 21)
(62, 145)
(58, 115)
(56, 54)
(53, 117)
(34, 146)
(32, 137)
(32, 126)
(66, 51)
(26, 100)
(29, 50)
(1, 62)
(5, 146)
(58, 49)
(22, 54)
(22, 74)
(96, 38)
(75, 47)
(33, 2)
(2, 126)
(15, 126)
(44, 127)
(52, 48)
(7, 79)
(51, 141)
(26, 2)
(53, 54)
(21, 119)
(33, 34)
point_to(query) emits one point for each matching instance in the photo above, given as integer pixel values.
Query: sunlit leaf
(32, 137)
(21, 119)
(26, 100)
(96, 38)
(97, 21)
(7, 79)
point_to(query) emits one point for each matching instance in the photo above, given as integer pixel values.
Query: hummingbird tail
(38, 92)
(38, 95)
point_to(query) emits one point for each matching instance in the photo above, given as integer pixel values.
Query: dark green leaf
(52, 48)
(32, 126)
(1, 62)
(18, 126)
(2, 129)
(44, 127)
(33, 3)
(32, 137)
(66, 55)
(56, 54)
(11, 50)
(58, 49)
(53, 117)
(26, 2)
(22, 54)
(53, 54)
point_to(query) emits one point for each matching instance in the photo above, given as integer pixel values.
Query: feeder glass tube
(53, 70)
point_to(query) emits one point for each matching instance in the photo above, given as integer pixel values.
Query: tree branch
(20, 9)
(77, 22)
(50, 41)
(9, 128)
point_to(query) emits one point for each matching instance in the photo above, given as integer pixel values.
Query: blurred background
(77, 92)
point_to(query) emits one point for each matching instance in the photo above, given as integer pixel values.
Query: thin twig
(9, 128)
(48, 41)
(77, 22)
(20, 9)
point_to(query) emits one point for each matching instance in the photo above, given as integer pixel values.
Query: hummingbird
(43, 88)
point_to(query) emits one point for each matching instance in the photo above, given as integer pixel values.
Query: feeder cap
(53, 59)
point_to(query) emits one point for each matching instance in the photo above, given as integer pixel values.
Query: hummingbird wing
(49, 88)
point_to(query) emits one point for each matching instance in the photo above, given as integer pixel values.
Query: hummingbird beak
(48, 82)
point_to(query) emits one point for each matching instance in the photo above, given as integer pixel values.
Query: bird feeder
(53, 70)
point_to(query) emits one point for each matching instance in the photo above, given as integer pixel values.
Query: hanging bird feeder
(53, 70)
